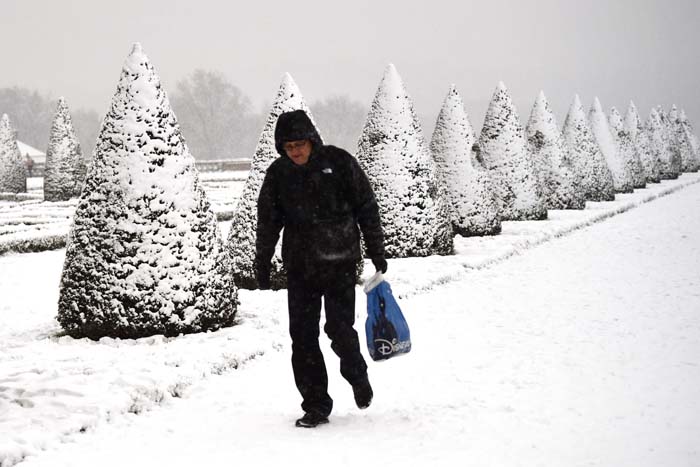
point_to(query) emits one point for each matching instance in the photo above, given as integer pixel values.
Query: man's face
(298, 151)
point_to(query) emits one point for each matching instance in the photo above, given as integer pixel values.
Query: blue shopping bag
(386, 328)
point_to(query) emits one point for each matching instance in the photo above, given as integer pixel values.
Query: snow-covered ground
(582, 351)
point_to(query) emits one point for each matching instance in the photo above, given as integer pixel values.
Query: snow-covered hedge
(243, 233)
(586, 159)
(7, 196)
(474, 209)
(505, 155)
(144, 254)
(63, 158)
(13, 172)
(33, 245)
(392, 151)
(559, 187)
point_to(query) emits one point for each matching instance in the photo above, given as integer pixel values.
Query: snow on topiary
(615, 123)
(505, 155)
(587, 161)
(670, 161)
(243, 233)
(626, 149)
(474, 209)
(643, 144)
(622, 176)
(13, 172)
(683, 141)
(693, 163)
(63, 158)
(392, 152)
(557, 183)
(144, 254)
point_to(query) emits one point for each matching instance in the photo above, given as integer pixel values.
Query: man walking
(319, 195)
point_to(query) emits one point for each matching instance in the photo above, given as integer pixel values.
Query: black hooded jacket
(319, 204)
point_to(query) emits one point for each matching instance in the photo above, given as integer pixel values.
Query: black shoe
(311, 420)
(363, 393)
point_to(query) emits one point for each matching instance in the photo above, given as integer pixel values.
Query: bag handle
(373, 281)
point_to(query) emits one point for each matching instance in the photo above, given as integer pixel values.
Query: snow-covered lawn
(36, 225)
(584, 351)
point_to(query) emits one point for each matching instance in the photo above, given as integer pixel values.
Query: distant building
(38, 157)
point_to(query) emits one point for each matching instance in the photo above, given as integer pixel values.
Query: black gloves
(380, 264)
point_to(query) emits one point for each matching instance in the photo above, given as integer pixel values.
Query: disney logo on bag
(385, 347)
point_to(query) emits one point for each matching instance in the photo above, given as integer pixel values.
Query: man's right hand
(380, 264)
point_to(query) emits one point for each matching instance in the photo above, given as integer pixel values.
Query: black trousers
(335, 283)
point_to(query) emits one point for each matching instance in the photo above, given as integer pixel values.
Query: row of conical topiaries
(145, 255)
(593, 158)
(65, 167)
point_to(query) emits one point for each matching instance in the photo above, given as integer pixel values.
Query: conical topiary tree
(584, 154)
(63, 157)
(392, 151)
(557, 183)
(13, 172)
(643, 144)
(505, 155)
(243, 233)
(683, 141)
(693, 163)
(676, 163)
(622, 176)
(144, 254)
(626, 149)
(674, 137)
(670, 161)
(474, 209)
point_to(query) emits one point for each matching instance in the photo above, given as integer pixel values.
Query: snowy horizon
(638, 52)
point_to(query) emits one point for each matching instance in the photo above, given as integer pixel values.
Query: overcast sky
(645, 50)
